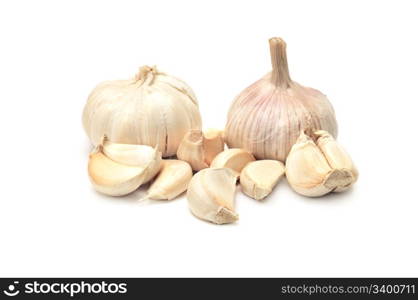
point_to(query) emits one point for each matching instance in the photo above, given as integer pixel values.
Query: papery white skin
(267, 117)
(152, 109)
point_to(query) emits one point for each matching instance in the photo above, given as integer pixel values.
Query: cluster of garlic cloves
(318, 165)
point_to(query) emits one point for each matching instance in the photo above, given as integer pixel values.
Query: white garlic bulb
(152, 109)
(267, 117)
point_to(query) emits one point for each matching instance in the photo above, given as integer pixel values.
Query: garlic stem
(280, 74)
(146, 74)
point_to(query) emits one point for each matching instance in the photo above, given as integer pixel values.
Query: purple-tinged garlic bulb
(268, 116)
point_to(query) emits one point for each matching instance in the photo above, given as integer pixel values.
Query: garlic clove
(316, 169)
(258, 178)
(112, 178)
(213, 144)
(307, 170)
(210, 195)
(191, 150)
(172, 180)
(234, 159)
(337, 158)
(134, 155)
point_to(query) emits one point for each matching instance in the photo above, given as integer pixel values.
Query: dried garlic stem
(280, 74)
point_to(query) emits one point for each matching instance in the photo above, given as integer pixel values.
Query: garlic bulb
(267, 117)
(315, 167)
(152, 109)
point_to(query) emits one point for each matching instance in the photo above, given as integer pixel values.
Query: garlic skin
(152, 109)
(267, 117)
(172, 180)
(233, 159)
(258, 178)
(211, 195)
(314, 170)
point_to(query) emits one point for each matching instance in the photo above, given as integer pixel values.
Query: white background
(363, 55)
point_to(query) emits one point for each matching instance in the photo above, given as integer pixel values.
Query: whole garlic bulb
(268, 116)
(152, 109)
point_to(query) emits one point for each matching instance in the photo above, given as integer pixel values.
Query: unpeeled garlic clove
(234, 159)
(309, 172)
(213, 144)
(199, 149)
(134, 155)
(112, 178)
(258, 178)
(210, 195)
(172, 180)
(119, 169)
(191, 150)
(337, 158)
